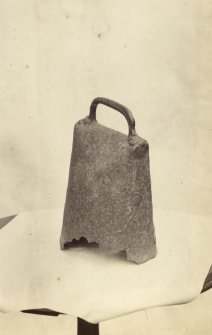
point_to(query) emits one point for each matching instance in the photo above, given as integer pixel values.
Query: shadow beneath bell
(82, 242)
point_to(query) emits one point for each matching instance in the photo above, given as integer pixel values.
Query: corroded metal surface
(109, 198)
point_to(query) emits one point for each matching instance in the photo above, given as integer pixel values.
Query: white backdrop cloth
(85, 282)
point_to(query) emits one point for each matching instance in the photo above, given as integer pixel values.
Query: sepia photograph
(105, 174)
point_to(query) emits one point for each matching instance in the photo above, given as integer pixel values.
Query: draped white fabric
(87, 283)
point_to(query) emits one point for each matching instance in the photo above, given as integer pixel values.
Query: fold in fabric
(89, 284)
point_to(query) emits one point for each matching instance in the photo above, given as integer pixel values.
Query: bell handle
(117, 106)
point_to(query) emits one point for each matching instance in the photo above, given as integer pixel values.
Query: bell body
(109, 197)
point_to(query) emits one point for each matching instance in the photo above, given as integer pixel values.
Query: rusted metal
(109, 198)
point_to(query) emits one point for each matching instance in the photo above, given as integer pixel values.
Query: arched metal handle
(115, 105)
